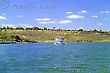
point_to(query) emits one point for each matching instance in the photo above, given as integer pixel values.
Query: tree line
(53, 29)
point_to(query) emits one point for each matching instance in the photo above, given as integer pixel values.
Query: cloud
(9, 25)
(69, 12)
(25, 25)
(83, 11)
(19, 16)
(99, 24)
(2, 18)
(65, 21)
(42, 19)
(53, 22)
(94, 16)
(81, 27)
(105, 12)
(75, 16)
(46, 22)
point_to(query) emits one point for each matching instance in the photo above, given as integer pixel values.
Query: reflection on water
(50, 58)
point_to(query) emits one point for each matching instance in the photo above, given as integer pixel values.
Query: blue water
(50, 58)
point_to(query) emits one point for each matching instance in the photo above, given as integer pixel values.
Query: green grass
(49, 36)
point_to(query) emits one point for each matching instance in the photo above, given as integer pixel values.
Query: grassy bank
(21, 35)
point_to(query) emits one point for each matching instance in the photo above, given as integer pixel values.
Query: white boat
(59, 40)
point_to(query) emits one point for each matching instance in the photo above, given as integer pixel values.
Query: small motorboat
(59, 40)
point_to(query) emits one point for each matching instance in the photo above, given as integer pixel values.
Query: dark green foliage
(17, 39)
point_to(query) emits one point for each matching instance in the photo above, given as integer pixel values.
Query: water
(50, 58)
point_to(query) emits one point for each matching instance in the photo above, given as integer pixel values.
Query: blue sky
(64, 14)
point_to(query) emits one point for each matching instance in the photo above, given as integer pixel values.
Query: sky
(63, 14)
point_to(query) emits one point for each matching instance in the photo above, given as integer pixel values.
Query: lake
(50, 58)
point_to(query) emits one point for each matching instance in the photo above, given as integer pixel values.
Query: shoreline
(49, 42)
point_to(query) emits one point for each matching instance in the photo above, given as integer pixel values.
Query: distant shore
(9, 35)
